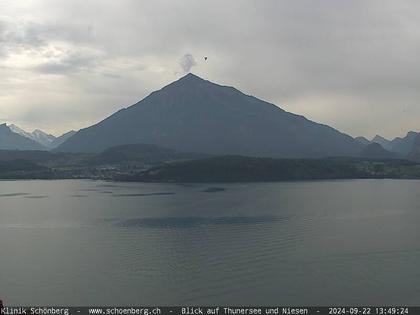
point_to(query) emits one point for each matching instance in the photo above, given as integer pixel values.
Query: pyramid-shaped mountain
(195, 115)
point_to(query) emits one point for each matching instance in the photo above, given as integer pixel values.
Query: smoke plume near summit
(187, 62)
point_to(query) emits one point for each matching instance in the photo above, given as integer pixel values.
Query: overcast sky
(354, 65)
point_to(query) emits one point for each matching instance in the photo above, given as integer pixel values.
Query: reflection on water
(214, 189)
(144, 194)
(36, 197)
(13, 194)
(302, 243)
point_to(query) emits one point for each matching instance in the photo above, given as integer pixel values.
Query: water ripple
(191, 222)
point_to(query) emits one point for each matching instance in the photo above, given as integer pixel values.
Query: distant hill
(21, 169)
(140, 154)
(31, 155)
(135, 154)
(10, 140)
(195, 115)
(19, 165)
(148, 163)
(247, 169)
(376, 151)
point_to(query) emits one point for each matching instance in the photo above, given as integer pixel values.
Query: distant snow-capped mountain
(19, 131)
(47, 140)
(43, 138)
(10, 140)
(37, 135)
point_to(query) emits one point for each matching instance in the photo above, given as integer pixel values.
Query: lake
(80, 242)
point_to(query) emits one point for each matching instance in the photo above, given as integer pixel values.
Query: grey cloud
(72, 63)
(56, 68)
(16, 36)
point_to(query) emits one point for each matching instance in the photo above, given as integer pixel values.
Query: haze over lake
(309, 243)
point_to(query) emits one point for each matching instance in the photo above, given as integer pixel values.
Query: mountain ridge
(401, 146)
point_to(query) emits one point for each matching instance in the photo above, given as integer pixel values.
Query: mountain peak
(363, 140)
(379, 138)
(192, 84)
(191, 76)
(412, 134)
(189, 79)
(4, 128)
(187, 85)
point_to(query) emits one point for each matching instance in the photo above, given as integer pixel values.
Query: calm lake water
(307, 243)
